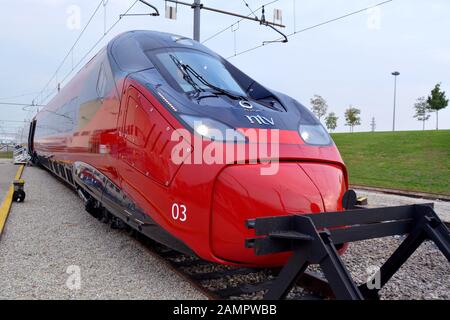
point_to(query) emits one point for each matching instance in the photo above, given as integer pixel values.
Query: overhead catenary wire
(237, 22)
(99, 40)
(70, 52)
(19, 95)
(13, 125)
(211, 37)
(247, 5)
(20, 121)
(72, 48)
(21, 104)
(91, 49)
(105, 2)
(40, 94)
(313, 27)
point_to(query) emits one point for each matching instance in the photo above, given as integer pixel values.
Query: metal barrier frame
(313, 239)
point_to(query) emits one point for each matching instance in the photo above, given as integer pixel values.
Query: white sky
(347, 62)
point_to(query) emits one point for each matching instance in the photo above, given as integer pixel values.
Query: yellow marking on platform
(6, 204)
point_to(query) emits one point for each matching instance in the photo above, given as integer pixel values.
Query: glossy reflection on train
(179, 144)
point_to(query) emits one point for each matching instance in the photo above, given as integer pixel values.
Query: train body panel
(125, 132)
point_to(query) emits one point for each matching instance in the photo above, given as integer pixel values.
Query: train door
(146, 143)
(135, 129)
(144, 149)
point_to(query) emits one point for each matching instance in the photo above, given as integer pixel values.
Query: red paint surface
(219, 197)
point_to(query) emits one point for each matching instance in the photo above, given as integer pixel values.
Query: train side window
(101, 83)
(136, 123)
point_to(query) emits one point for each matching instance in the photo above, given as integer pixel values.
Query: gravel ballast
(426, 275)
(51, 234)
(378, 199)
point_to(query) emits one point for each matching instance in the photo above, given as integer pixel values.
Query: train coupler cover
(315, 239)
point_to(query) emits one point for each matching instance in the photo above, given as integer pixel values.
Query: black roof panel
(128, 49)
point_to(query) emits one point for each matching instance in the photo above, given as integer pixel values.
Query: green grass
(6, 155)
(407, 160)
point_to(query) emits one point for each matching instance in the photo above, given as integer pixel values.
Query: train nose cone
(242, 193)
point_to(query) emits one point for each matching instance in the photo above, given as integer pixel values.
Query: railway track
(235, 283)
(215, 281)
(220, 282)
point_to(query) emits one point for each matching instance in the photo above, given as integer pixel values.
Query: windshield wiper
(186, 75)
(188, 68)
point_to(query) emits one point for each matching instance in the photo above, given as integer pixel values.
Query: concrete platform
(49, 238)
(7, 172)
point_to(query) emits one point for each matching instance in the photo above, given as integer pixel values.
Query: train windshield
(197, 71)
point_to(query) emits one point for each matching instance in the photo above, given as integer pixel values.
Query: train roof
(128, 50)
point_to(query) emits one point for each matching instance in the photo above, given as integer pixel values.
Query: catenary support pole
(197, 7)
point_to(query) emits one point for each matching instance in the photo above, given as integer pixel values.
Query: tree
(437, 101)
(331, 121)
(319, 106)
(352, 117)
(422, 108)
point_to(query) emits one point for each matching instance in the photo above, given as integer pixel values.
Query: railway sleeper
(223, 273)
(189, 263)
(242, 289)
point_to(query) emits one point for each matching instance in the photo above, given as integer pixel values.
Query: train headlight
(202, 130)
(314, 134)
(213, 130)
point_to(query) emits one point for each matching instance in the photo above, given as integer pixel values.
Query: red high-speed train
(114, 130)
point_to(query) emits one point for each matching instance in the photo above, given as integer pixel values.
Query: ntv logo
(261, 120)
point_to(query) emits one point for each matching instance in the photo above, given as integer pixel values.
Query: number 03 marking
(179, 212)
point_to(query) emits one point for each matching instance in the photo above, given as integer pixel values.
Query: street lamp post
(395, 74)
